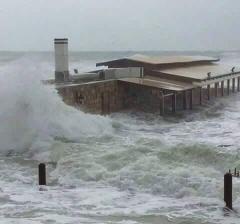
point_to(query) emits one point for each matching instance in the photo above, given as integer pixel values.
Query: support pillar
(209, 92)
(191, 99)
(162, 105)
(222, 88)
(42, 174)
(174, 102)
(228, 86)
(184, 93)
(216, 89)
(228, 190)
(238, 84)
(233, 85)
(200, 95)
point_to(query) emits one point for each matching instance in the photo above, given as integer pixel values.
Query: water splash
(33, 115)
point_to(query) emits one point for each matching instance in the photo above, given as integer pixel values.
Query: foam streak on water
(125, 168)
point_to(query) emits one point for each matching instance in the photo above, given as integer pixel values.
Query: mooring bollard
(228, 190)
(42, 174)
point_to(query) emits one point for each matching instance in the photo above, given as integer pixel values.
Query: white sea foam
(32, 114)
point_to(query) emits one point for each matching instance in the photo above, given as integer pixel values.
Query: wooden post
(162, 105)
(184, 94)
(191, 99)
(238, 84)
(209, 91)
(200, 95)
(228, 86)
(42, 174)
(216, 89)
(222, 88)
(233, 85)
(174, 102)
(228, 190)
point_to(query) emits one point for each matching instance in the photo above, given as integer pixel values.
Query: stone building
(162, 84)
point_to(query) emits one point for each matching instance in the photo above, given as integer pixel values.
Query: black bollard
(42, 174)
(228, 190)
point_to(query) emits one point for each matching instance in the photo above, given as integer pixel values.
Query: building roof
(161, 60)
(159, 83)
(202, 72)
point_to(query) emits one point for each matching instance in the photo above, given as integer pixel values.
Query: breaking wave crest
(32, 115)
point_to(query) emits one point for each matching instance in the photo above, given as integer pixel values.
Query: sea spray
(144, 169)
(32, 115)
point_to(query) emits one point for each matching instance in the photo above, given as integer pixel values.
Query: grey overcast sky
(121, 24)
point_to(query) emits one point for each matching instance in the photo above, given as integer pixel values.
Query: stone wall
(97, 97)
(142, 98)
(105, 97)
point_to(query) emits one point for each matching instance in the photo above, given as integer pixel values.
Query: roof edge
(209, 60)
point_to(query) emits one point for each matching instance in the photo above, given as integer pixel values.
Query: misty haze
(121, 112)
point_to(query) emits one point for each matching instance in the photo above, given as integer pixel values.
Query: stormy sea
(125, 168)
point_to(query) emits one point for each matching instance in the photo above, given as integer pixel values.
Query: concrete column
(209, 92)
(174, 102)
(200, 95)
(61, 60)
(233, 85)
(216, 89)
(191, 99)
(238, 84)
(162, 105)
(222, 88)
(228, 86)
(184, 95)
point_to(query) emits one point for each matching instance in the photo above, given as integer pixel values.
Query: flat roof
(159, 83)
(161, 60)
(201, 72)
